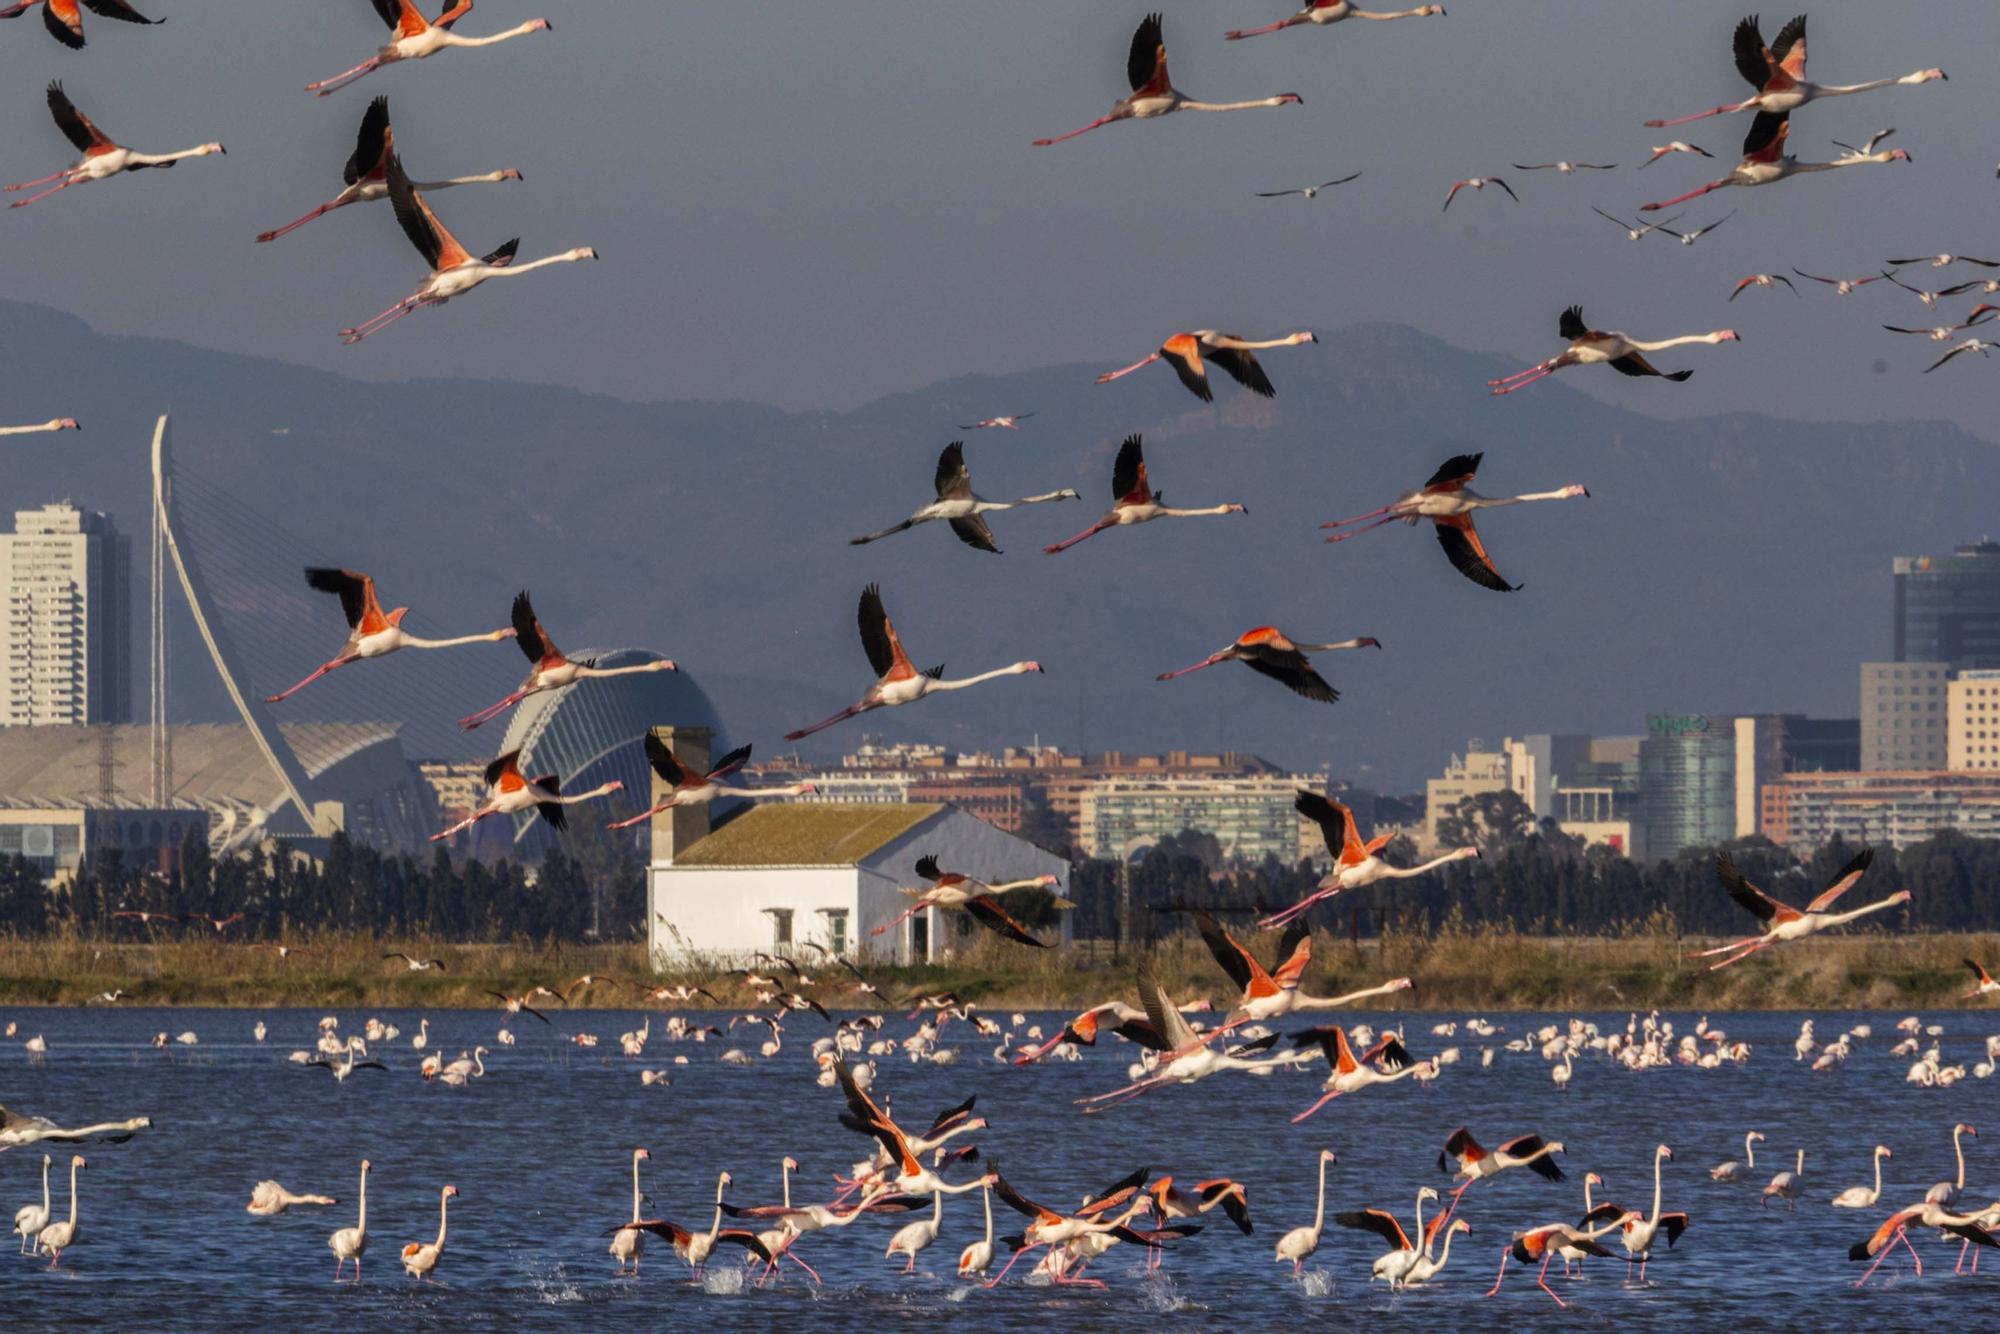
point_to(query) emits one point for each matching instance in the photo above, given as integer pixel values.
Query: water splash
(722, 1282)
(1316, 1283)
(1158, 1293)
(556, 1289)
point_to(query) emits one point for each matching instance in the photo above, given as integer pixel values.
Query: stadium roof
(62, 766)
(802, 834)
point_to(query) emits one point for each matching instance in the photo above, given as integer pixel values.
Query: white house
(780, 875)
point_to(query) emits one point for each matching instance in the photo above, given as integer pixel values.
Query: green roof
(802, 834)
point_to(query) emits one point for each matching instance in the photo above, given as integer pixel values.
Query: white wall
(720, 910)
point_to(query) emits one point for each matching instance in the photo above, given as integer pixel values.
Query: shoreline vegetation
(1455, 968)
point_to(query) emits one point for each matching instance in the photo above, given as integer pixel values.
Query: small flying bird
(514, 792)
(551, 669)
(1677, 146)
(1943, 332)
(417, 965)
(218, 924)
(1690, 237)
(1189, 353)
(1319, 13)
(1840, 286)
(1635, 232)
(418, 37)
(1267, 650)
(1134, 500)
(952, 890)
(1309, 191)
(102, 157)
(454, 271)
(957, 505)
(1927, 297)
(1153, 92)
(1011, 422)
(1567, 168)
(373, 633)
(1867, 147)
(64, 19)
(1969, 345)
(148, 918)
(1448, 501)
(1478, 183)
(1763, 280)
(519, 1004)
(1593, 347)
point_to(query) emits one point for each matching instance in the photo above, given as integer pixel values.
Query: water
(540, 1151)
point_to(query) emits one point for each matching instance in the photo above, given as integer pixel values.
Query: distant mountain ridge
(1724, 564)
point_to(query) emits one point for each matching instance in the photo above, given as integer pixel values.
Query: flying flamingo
(1351, 1073)
(1089, 1226)
(1930, 298)
(349, 1242)
(1864, 1197)
(1942, 332)
(1005, 422)
(1299, 1244)
(1170, 1202)
(53, 424)
(1127, 1021)
(1941, 261)
(1840, 286)
(1784, 922)
(1268, 650)
(1269, 993)
(1133, 499)
(454, 271)
(1566, 168)
(1597, 347)
(897, 682)
(1966, 1227)
(1476, 184)
(1986, 985)
(1639, 1230)
(953, 890)
(1189, 355)
(1677, 146)
(513, 793)
(1778, 73)
(18, 1129)
(1355, 863)
(1396, 1263)
(1153, 92)
(1545, 1242)
(1476, 1163)
(417, 37)
(1765, 160)
(367, 172)
(420, 1259)
(551, 670)
(1322, 12)
(1448, 501)
(373, 633)
(64, 19)
(958, 506)
(102, 157)
(1308, 191)
(697, 789)
(1693, 234)
(1763, 280)
(60, 1236)
(1184, 1056)
(1978, 345)
(906, 1174)
(1639, 231)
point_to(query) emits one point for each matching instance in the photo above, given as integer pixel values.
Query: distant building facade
(1972, 728)
(1806, 811)
(1948, 607)
(1903, 715)
(1476, 771)
(1250, 816)
(57, 840)
(65, 624)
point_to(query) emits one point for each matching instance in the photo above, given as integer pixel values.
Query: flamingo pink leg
(40, 180)
(283, 695)
(339, 81)
(1101, 120)
(54, 189)
(1737, 958)
(1279, 26)
(1701, 115)
(1124, 371)
(1206, 662)
(1682, 199)
(1356, 532)
(1069, 542)
(1525, 378)
(492, 711)
(1316, 1106)
(825, 723)
(297, 223)
(908, 912)
(1280, 918)
(1342, 523)
(1904, 1233)
(349, 337)
(463, 825)
(1505, 1255)
(1539, 368)
(1011, 1261)
(1542, 1279)
(641, 817)
(1886, 1251)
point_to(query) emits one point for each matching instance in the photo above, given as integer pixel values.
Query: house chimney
(682, 826)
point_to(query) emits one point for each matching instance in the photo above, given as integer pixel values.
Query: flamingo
(60, 1236)
(1940, 333)
(1979, 345)
(1595, 347)
(418, 1259)
(1269, 651)
(30, 1219)
(1169, 1202)
(897, 682)
(1677, 146)
(1299, 1244)
(18, 1129)
(1763, 280)
(687, 788)
(1778, 73)
(1189, 354)
(1401, 1257)
(1271, 992)
(1134, 500)
(513, 793)
(372, 632)
(1966, 1227)
(64, 19)
(1476, 1163)
(418, 37)
(454, 271)
(1765, 160)
(1308, 191)
(1476, 184)
(1184, 1056)
(1005, 422)
(1840, 286)
(1153, 93)
(1786, 1185)
(696, 1247)
(550, 669)
(414, 965)
(977, 1257)
(1692, 235)
(1640, 1230)
(1088, 1228)
(1571, 1255)
(1127, 1021)
(268, 1198)
(1638, 231)
(629, 1242)
(911, 1176)
(1355, 863)
(1986, 986)
(914, 1237)
(957, 505)
(1351, 1073)
(349, 1242)
(366, 174)
(1785, 922)
(1864, 1197)
(1947, 1193)
(953, 890)
(1545, 1242)
(1567, 168)
(102, 157)
(53, 424)
(1426, 1268)
(1319, 13)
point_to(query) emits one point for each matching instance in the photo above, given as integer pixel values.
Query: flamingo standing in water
(1322, 12)
(30, 1219)
(350, 1242)
(1778, 73)
(1639, 1230)
(64, 18)
(1134, 500)
(957, 505)
(420, 1258)
(373, 633)
(551, 670)
(628, 1243)
(513, 793)
(1355, 863)
(1299, 1244)
(1947, 1193)
(366, 174)
(1864, 1197)
(1351, 1073)
(1448, 501)
(102, 157)
(1766, 162)
(454, 271)
(53, 424)
(1784, 922)
(695, 1247)
(59, 1236)
(1786, 1186)
(1153, 92)
(1395, 1264)
(897, 682)
(1597, 347)
(418, 37)
(1268, 650)
(953, 890)
(1189, 354)
(688, 788)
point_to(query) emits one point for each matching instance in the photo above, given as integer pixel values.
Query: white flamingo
(420, 1259)
(418, 37)
(60, 1236)
(349, 1242)
(30, 1219)
(1299, 1244)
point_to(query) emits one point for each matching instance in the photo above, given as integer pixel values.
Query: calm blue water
(540, 1151)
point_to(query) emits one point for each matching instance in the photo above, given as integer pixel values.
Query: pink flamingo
(1778, 73)
(418, 37)
(64, 19)
(1765, 161)
(1134, 501)
(1153, 93)
(551, 670)
(514, 793)
(103, 157)
(1602, 347)
(1269, 651)
(1189, 353)
(1355, 863)
(688, 788)
(1322, 12)
(373, 633)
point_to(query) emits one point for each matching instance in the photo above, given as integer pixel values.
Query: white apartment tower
(65, 625)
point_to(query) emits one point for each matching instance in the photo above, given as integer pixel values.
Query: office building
(65, 625)
(1972, 727)
(1948, 607)
(1476, 771)
(1250, 816)
(1806, 811)
(1687, 782)
(1540, 763)
(1903, 715)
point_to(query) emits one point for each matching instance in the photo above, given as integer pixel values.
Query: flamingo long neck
(72, 1194)
(47, 1203)
(1445, 1253)
(988, 1200)
(786, 1172)
(571, 799)
(444, 1214)
(1799, 1168)
(1658, 1161)
(583, 671)
(1421, 12)
(1305, 1002)
(1750, 1148)
(1403, 873)
(30, 430)
(715, 1228)
(635, 1187)
(1820, 90)
(1662, 344)
(1319, 1210)
(1190, 104)
(412, 641)
(1333, 648)
(1957, 1147)
(1005, 886)
(1587, 1206)
(1042, 499)
(361, 1219)
(762, 793)
(1254, 345)
(521, 30)
(479, 1062)
(159, 159)
(1420, 1215)
(937, 1210)
(1015, 670)
(1195, 514)
(1878, 1173)
(515, 270)
(490, 178)
(1495, 502)
(1835, 919)
(1609, 1226)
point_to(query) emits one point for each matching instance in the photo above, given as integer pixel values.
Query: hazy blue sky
(813, 204)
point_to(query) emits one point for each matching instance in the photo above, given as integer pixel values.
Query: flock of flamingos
(903, 1175)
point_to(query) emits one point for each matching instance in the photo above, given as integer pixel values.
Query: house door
(920, 938)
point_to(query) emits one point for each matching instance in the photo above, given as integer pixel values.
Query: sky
(812, 205)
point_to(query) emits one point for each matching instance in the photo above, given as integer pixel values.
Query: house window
(836, 930)
(781, 927)
(920, 937)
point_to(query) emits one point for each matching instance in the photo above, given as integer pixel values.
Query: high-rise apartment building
(1948, 607)
(65, 624)
(1903, 716)
(1972, 730)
